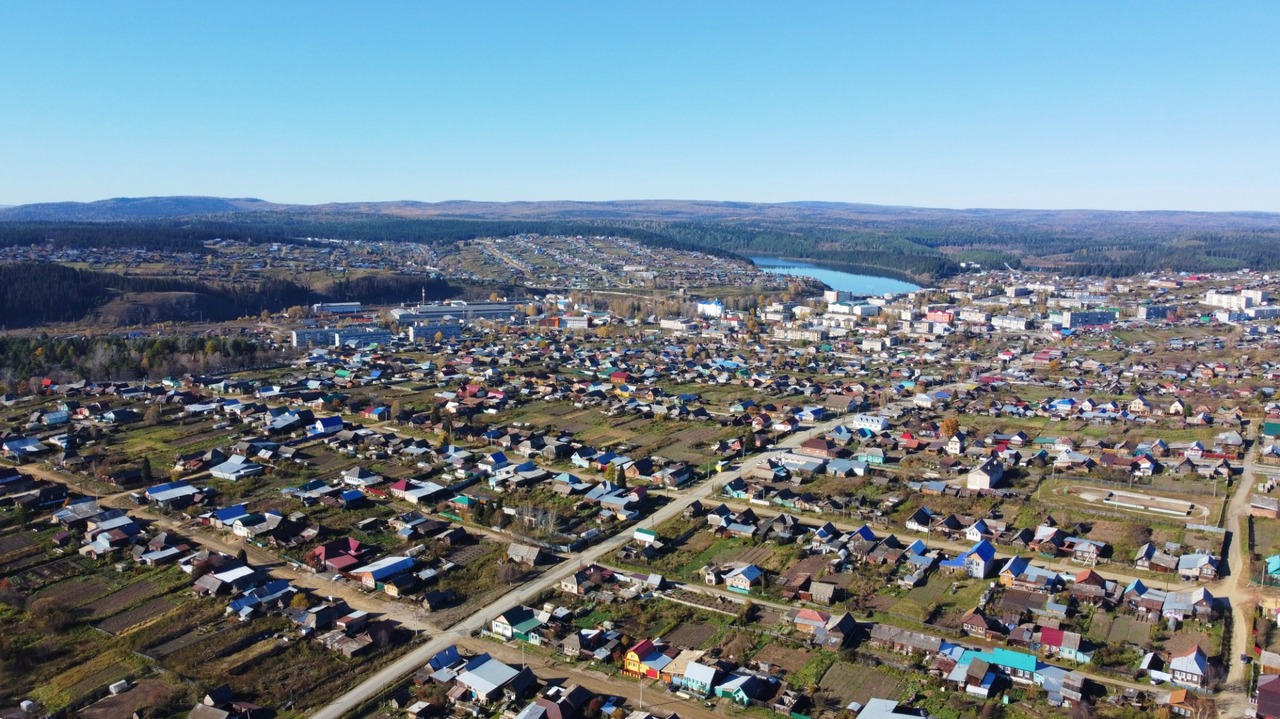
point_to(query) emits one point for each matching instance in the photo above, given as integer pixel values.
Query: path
(1236, 588)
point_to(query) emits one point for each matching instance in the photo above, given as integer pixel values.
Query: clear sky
(1133, 105)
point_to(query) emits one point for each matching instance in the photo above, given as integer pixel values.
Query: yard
(856, 683)
(1129, 630)
(941, 595)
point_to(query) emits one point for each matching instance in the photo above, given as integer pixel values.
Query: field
(114, 602)
(82, 678)
(76, 591)
(11, 543)
(1266, 536)
(125, 621)
(786, 658)
(856, 683)
(1183, 641)
(949, 595)
(760, 555)
(1129, 630)
(692, 636)
(148, 693)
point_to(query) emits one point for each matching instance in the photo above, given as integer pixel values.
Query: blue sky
(1145, 105)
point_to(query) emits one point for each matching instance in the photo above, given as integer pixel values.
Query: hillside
(923, 243)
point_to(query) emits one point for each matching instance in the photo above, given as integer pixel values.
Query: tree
(950, 427)
(299, 601)
(145, 470)
(395, 409)
(153, 415)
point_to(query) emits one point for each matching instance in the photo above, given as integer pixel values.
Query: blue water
(835, 279)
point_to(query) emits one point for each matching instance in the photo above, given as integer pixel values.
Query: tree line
(33, 293)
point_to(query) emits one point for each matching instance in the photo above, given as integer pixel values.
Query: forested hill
(34, 293)
(924, 243)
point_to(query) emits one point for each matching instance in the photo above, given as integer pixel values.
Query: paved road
(410, 662)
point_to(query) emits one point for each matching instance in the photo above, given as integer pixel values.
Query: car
(709, 705)
(1245, 659)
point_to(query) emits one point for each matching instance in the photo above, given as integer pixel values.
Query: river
(835, 279)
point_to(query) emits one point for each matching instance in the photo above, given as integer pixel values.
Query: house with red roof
(338, 555)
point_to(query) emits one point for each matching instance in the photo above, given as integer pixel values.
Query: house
(519, 623)
(1198, 566)
(976, 624)
(524, 554)
(1090, 587)
(699, 679)
(236, 468)
(1065, 645)
(1268, 700)
(645, 659)
(976, 562)
(1018, 666)
(904, 640)
(819, 447)
(375, 573)
(744, 578)
(888, 709)
(987, 475)
(741, 688)
(1189, 668)
(486, 680)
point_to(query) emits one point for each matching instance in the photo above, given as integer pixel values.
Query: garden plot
(691, 636)
(11, 543)
(55, 571)
(785, 658)
(856, 683)
(146, 693)
(124, 621)
(760, 555)
(1129, 630)
(187, 639)
(75, 592)
(130, 595)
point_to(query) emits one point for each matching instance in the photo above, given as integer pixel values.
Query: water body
(835, 279)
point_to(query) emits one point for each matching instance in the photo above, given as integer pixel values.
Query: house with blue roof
(742, 579)
(741, 688)
(1018, 666)
(325, 426)
(977, 562)
(225, 517)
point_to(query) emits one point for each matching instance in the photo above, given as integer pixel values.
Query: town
(1012, 494)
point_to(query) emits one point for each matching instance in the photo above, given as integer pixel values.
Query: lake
(835, 279)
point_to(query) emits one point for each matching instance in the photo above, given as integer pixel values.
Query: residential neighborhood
(819, 507)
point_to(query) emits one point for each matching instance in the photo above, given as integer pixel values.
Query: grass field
(1266, 536)
(1130, 630)
(949, 594)
(856, 683)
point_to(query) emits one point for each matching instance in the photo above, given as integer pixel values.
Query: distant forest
(189, 235)
(912, 243)
(33, 293)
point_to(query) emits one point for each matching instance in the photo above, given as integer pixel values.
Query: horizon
(5, 206)
(999, 105)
